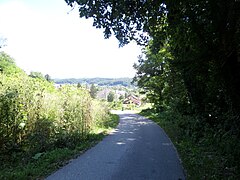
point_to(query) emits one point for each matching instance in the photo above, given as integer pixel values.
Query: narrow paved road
(137, 149)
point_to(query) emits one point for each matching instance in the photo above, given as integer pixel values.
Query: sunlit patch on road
(120, 143)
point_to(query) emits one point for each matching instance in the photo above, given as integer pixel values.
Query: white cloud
(61, 44)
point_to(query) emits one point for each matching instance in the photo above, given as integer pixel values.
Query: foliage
(116, 105)
(36, 75)
(126, 19)
(54, 159)
(110, 97)
(206, 138)
(7, 65)
(36, 117)
(160, 80)
(93, 91)
(210, 157)
(79, 85)
(48, 77)
(203, 39)
(40, 76)
(121, 97)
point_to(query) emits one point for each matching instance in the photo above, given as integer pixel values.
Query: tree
(203, 37)
(93, 91)
(126, 19)
(160, 80)
(34, 74)
(7, 65)
(110, 97)
(79, 85)
(121, 97)
(48, 78)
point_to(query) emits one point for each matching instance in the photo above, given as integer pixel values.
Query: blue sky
(48, 37)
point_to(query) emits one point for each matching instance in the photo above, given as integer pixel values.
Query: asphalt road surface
(138, 149)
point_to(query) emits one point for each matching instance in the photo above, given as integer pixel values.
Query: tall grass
(212, 156)
(36, 117)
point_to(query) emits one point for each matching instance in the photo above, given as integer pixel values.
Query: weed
(207, 157)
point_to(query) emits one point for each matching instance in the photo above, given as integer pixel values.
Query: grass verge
(204, 158)
(43, 164)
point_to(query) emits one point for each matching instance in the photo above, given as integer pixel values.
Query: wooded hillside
(99, 81)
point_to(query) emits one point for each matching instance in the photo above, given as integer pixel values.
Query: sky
(48, 36)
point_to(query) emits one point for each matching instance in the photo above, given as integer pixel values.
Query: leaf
(37, 156)
(22, 124)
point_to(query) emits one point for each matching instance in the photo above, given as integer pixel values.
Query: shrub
(36, 117)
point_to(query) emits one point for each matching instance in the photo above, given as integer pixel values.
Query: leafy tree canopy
(125, 19)
(7, 64)
(110, 97)
(203, 36)
(93, 91)
(36, 75)
(48, 78)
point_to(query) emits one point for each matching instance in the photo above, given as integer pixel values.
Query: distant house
(131, 99)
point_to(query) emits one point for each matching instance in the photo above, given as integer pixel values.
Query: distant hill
(100, 81)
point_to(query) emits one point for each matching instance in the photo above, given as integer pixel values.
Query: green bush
(36, 117)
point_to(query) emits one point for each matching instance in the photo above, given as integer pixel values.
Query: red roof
(132, 99)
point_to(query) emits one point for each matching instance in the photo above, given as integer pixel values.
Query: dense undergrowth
(42, 164)
(42, 125)
(214, 155)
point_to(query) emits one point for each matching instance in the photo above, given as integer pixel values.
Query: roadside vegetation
(42, 126)
(189, 69)
(208, 157)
